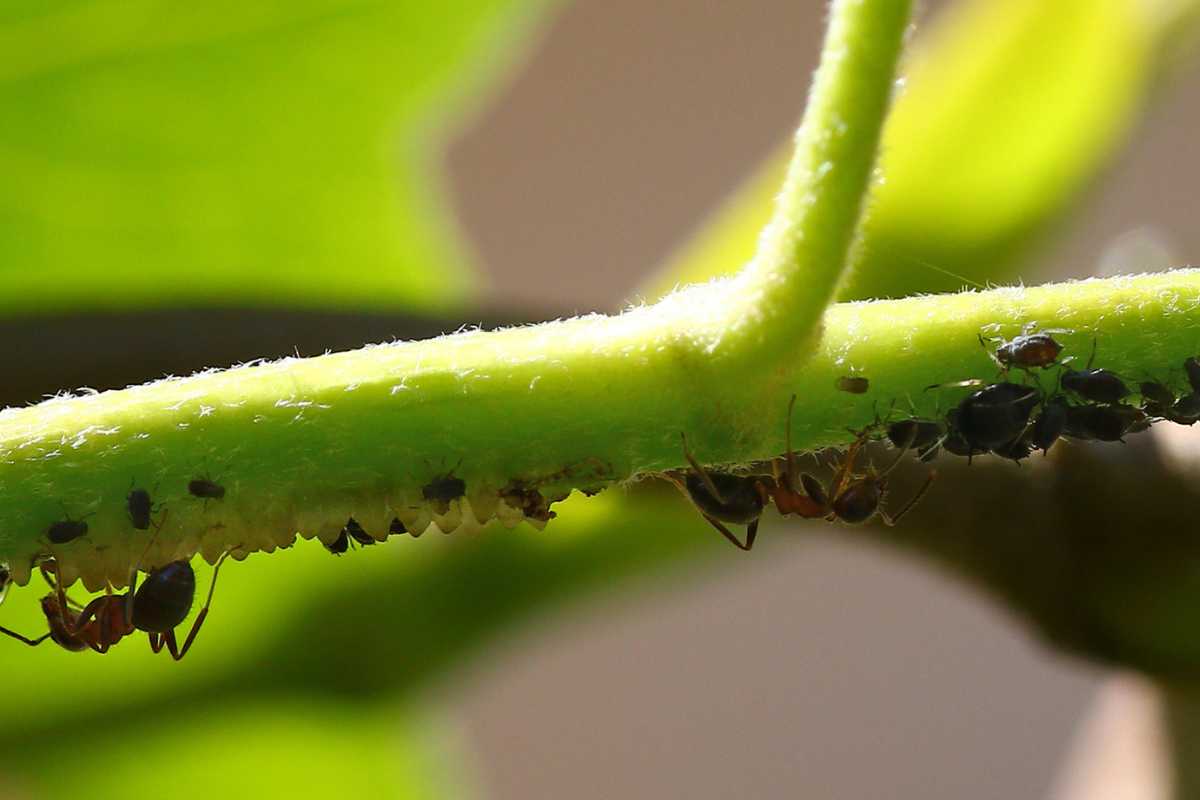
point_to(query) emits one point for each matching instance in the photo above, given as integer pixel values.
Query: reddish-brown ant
(849, 497)
(157, 607)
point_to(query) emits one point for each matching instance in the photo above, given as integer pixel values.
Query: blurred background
(207, 190)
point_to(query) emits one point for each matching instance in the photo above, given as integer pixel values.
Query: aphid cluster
(1006, 417)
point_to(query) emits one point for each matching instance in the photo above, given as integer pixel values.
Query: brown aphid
(853, 384)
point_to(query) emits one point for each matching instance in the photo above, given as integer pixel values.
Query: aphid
(351, 532)
(721, 497)
(160, 604)
(66, 530)
(1096, 385)
(923, 435)
(1104, 423)
(138, 503)
(339, 545)
(5, 581)
(1156, 397)
(853, 384)
(396, 527)
(205, 489)
(1049, 425)
(442, 490)
(1027, 351)
(995, 415)
(1018, 448)
(532, 503)
(1185, 410)
(1192, 367)
(849, 497)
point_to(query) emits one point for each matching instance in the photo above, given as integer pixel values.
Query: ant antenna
(708, 482)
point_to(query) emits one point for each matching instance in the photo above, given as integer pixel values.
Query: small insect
(1186, 410)
(1192, 367)
(995, 415)
(1027, 351)
(206, 489)
(352, 531)
(5, 581)
(1096, 385)
(721, 497)
(923, 435)
(1156, 397)
(396, 527)
(66, 530)
(1104, 423)
(444, 489)
(140, 507)
(1049, 425)
(853, 384)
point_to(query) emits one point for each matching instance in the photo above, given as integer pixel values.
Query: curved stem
(520, 416)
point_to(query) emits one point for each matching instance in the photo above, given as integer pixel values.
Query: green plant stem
(302, 444)
(802, 254)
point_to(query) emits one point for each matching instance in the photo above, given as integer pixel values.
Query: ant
(157, 607)
(849, 497)
(1027, 351)
(722, 497)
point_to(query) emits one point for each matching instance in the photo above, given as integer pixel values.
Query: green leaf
(235, 154)
(1011, 109)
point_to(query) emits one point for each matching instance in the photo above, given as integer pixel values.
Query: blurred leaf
(235, 154)
(251, 749)
(1011, 109)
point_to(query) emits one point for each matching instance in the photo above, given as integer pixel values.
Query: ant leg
(790, 476)
(191, 637)
(708, 482)
(751, 532)
(54, 586)
(30, 642)
(892, 520)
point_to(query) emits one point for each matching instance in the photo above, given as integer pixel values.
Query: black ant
(160, 604)
(849, 497)
(722, 497)
(1027, 351)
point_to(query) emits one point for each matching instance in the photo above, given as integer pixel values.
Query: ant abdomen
(164, 598)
